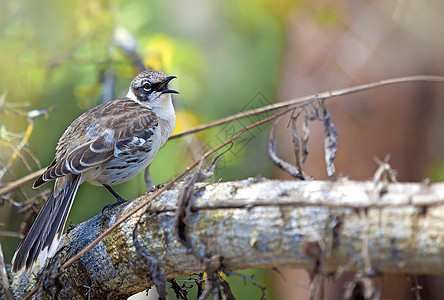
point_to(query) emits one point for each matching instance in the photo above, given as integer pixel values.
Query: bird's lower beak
(163, 88)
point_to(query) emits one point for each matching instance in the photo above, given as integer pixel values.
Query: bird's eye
(146, 86)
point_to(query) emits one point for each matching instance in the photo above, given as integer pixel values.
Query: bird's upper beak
(163, 87)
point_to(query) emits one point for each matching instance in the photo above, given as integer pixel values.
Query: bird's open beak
(163, 87)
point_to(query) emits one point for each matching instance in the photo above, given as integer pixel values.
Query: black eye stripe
(155, 86)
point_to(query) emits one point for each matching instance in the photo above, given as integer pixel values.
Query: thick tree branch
(261, 223)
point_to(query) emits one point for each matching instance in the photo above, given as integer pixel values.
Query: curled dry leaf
(208, 172)
(184, 202)
(330, 140)
(306, 136)
(284, 165)
(298, 144)
(181, 225)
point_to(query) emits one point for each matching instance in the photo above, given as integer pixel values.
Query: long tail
(44, 236)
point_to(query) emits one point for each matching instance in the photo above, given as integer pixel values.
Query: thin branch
(294, 102)
(245, 278)
(304, 100)
(11, 234)
(21, 182)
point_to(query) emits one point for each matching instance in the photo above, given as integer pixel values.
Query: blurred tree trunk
(365, 41)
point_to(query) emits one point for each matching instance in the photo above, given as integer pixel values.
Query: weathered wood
(261, 223)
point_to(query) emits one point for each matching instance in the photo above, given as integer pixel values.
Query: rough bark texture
(261, 223)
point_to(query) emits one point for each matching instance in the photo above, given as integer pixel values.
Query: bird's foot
(111, 206)
(119, 198)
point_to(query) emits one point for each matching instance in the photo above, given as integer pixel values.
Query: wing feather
(105, 129)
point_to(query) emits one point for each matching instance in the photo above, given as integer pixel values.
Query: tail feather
(44, 236)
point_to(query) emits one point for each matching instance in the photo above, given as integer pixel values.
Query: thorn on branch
(157, 273)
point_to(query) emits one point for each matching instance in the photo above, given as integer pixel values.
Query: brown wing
(103, 130)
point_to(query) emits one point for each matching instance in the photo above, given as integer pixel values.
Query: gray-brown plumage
(107, 145)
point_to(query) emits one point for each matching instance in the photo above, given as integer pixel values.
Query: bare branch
(294, 171)
(285, 104)
(301, 101)
(21, 182)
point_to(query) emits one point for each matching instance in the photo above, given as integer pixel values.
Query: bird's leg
(119, 198)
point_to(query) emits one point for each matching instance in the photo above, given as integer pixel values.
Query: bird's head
(150, 87)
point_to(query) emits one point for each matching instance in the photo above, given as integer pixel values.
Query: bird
(105, 146)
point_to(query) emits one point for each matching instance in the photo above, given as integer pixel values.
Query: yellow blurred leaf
(160, 52)
(185, 120)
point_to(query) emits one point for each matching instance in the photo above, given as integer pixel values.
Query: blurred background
(60, 58)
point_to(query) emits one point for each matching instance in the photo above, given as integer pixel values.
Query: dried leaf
(184, 208)
(330, 140)
(296, 143)
(184, 202)
(287, 167)
(305, 137)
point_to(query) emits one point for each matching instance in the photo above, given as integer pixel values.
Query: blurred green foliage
(226, 55)
(437, 171)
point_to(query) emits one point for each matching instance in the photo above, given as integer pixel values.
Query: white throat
(131, 95)
(164, 110)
